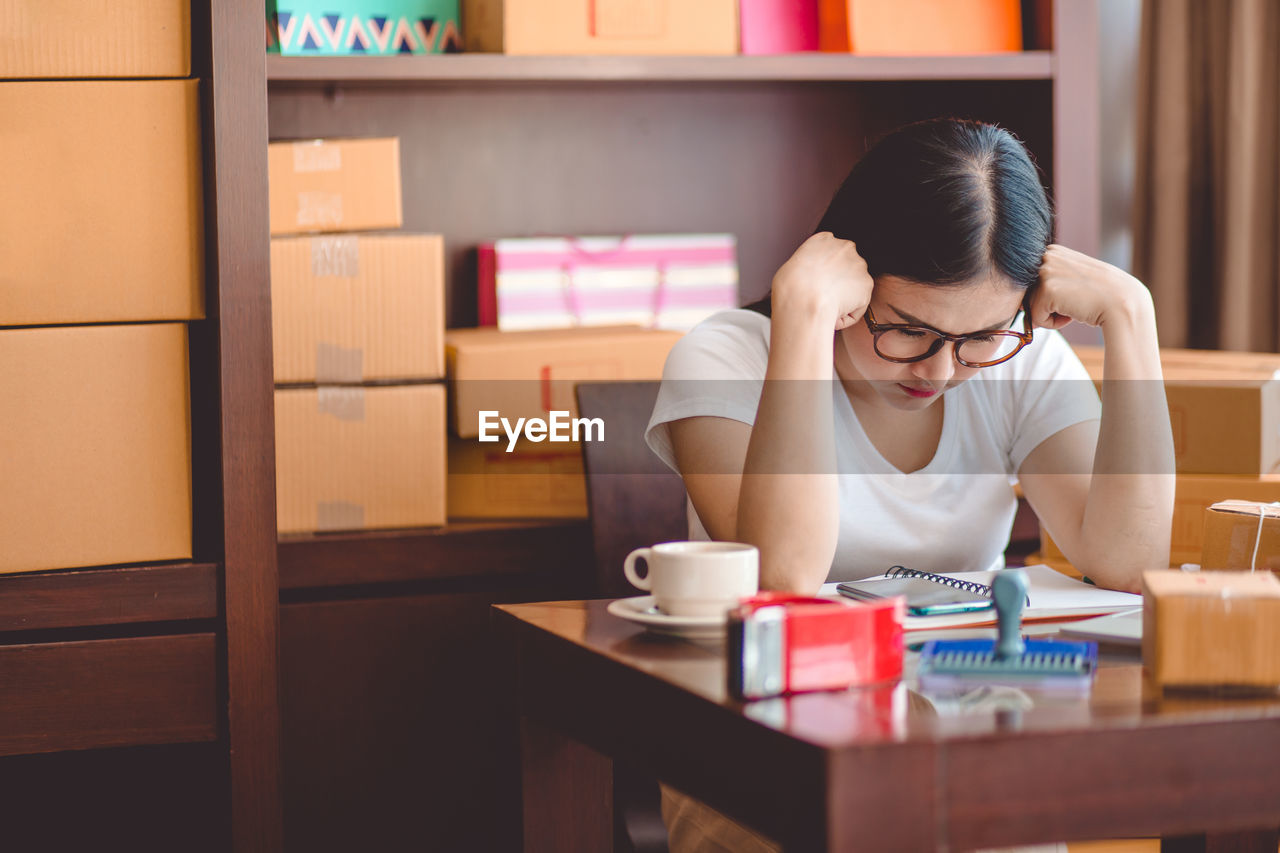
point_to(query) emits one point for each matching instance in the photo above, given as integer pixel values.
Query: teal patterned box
(362, 27)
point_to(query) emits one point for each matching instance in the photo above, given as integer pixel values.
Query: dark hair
(942, 202)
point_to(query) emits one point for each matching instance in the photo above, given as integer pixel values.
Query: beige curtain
(1207, 229)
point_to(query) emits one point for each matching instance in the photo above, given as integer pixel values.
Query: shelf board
(459, 550)
(113, 595)
(800, 67)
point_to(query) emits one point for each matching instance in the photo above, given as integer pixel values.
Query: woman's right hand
(826, 275)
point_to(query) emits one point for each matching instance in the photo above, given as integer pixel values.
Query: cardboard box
(101, 217)
(535, 480)
(71, 38)
(1211, 628)
(574, 27)
(95, 465)
(353, 458)
(362, 27)
(530, 374)
(349, 308)
(1241, 536)
(921, 27)
(1224, 408)
(1194, 493)
(321, 185)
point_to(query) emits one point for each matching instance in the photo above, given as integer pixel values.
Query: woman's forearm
(1128, 516)
(788, 503)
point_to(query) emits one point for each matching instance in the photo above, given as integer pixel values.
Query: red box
(781, 643)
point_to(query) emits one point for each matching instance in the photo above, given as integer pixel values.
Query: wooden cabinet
(98, 666)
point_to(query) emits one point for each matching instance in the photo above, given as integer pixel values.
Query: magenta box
(778, 26)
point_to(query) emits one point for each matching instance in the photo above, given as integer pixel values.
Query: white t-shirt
(953, 515)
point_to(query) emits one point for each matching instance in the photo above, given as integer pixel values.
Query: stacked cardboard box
(358, 324)
(100, 220)
(574, 27)
(531, 374)
(1224, 410)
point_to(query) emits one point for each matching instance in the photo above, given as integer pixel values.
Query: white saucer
(644, 611)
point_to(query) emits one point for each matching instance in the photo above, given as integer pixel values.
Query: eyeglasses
(903, 343)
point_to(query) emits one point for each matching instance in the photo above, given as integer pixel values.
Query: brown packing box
(334, 185)
(1193, 494)
(95, 446)
(349, 308)
(528, 374)
(350, 458)
(1240, 536)
(101, 211)
(72, 38)
(1224, 408)
(535, 480)
(1211, 628)
(575, 27)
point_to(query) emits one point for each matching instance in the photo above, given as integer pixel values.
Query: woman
(876, 409)
(939, 237)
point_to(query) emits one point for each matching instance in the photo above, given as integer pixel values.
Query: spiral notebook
(927, 593)
(1051, 596)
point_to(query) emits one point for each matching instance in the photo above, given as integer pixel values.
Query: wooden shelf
(93, 694)
(108, 596)
(458, 551)
(480, 67)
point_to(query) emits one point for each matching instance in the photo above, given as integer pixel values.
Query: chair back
(634, 498)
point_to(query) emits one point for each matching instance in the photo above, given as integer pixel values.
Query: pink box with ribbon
(661, 281)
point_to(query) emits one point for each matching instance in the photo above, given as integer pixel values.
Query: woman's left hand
(1074, 286)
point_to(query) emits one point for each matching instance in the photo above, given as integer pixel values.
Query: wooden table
(883, 768)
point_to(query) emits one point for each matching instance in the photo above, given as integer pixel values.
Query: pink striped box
(661, 281)
(778, 26)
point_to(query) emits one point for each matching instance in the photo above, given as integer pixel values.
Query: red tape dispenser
(780, 643)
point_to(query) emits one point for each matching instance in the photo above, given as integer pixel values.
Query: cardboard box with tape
(1241, 535)
(533, 373)
(1211, 629)
(42, 39)
(101, 210)
(1224, 408)
(354, 458)
(352, 308)
(321, 185)
(1194, 493)
(534, 480)
(574, 27)
(96, 435)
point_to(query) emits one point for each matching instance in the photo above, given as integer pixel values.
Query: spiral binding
(955, 583)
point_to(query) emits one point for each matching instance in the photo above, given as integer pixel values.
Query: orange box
(1211, 628)
(575, 27)
(1241, 536)
(348, 308)
(528, 374)
(1193, 494)
(95, 431)
(534, 480)
(355, 458)
(101, 211)
(1224, 408)
(929, 27)
(318, 185)
(71, 38)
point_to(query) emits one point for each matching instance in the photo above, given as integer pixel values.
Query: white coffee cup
(699, 579)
